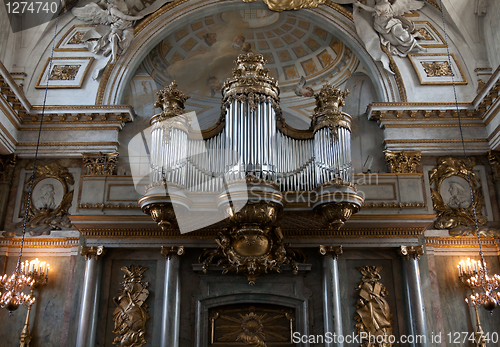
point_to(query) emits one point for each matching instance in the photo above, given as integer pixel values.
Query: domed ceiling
(200, 56)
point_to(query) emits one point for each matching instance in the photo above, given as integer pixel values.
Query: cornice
(40, 242)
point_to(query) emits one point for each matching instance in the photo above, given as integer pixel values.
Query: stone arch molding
(174, 15)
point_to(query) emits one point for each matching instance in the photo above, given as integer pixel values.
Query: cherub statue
(302, 90)
(396, 32)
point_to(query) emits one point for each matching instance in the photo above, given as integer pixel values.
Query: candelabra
(39, 273)
(474, 275)
(13, 296)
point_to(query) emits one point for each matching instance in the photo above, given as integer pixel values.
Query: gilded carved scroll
(130, 315)
(373, 312)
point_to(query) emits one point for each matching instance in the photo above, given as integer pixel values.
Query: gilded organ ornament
(373, 312)
(130, 315)
(451, 195)
(327, 112)
(252, 252)
(51, 199)
(403, 162)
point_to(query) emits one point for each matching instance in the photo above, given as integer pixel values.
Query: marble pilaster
(171, 297)
(331, 293)
(415, 309)
(87, 319)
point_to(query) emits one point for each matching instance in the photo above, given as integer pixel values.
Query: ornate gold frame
(42, 220)
(80, 83)
(454, 59)
(452, 217)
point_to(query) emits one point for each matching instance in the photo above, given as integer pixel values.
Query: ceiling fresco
(301, 55)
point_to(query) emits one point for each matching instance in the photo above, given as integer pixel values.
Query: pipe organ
(251, 148)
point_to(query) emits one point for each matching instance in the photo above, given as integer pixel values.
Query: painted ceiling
(200, 56)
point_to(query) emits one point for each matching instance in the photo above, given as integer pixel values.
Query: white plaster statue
(117, 26)
(383, 21)
(120, 33)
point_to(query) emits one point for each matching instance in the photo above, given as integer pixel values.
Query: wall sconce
(38, 271)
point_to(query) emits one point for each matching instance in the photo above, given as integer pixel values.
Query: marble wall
(55, 311)
(455, 314)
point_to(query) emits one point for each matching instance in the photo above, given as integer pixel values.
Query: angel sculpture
(302, 90)
(395, 32)
(115, 39)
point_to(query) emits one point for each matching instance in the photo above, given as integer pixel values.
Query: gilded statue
(130, 315)
(373, 312)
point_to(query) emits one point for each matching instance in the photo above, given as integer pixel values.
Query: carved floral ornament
(451, 196)
(51, 199)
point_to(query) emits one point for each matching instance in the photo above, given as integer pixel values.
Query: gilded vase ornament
(130, 315)
(327, 112)
(373, 312)
(454, 183)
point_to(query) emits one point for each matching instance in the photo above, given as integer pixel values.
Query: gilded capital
(169, 252)
(334, 251)
(100, 164)
(414, 251)
(494, 158)
(403, 162)
(96, 251)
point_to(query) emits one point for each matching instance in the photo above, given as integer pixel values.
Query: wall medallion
(50, 200)
(373, 312)
(451, 195)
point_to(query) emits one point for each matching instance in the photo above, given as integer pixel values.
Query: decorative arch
(173, 16)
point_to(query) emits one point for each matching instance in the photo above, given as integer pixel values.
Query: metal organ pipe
(251, 143)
